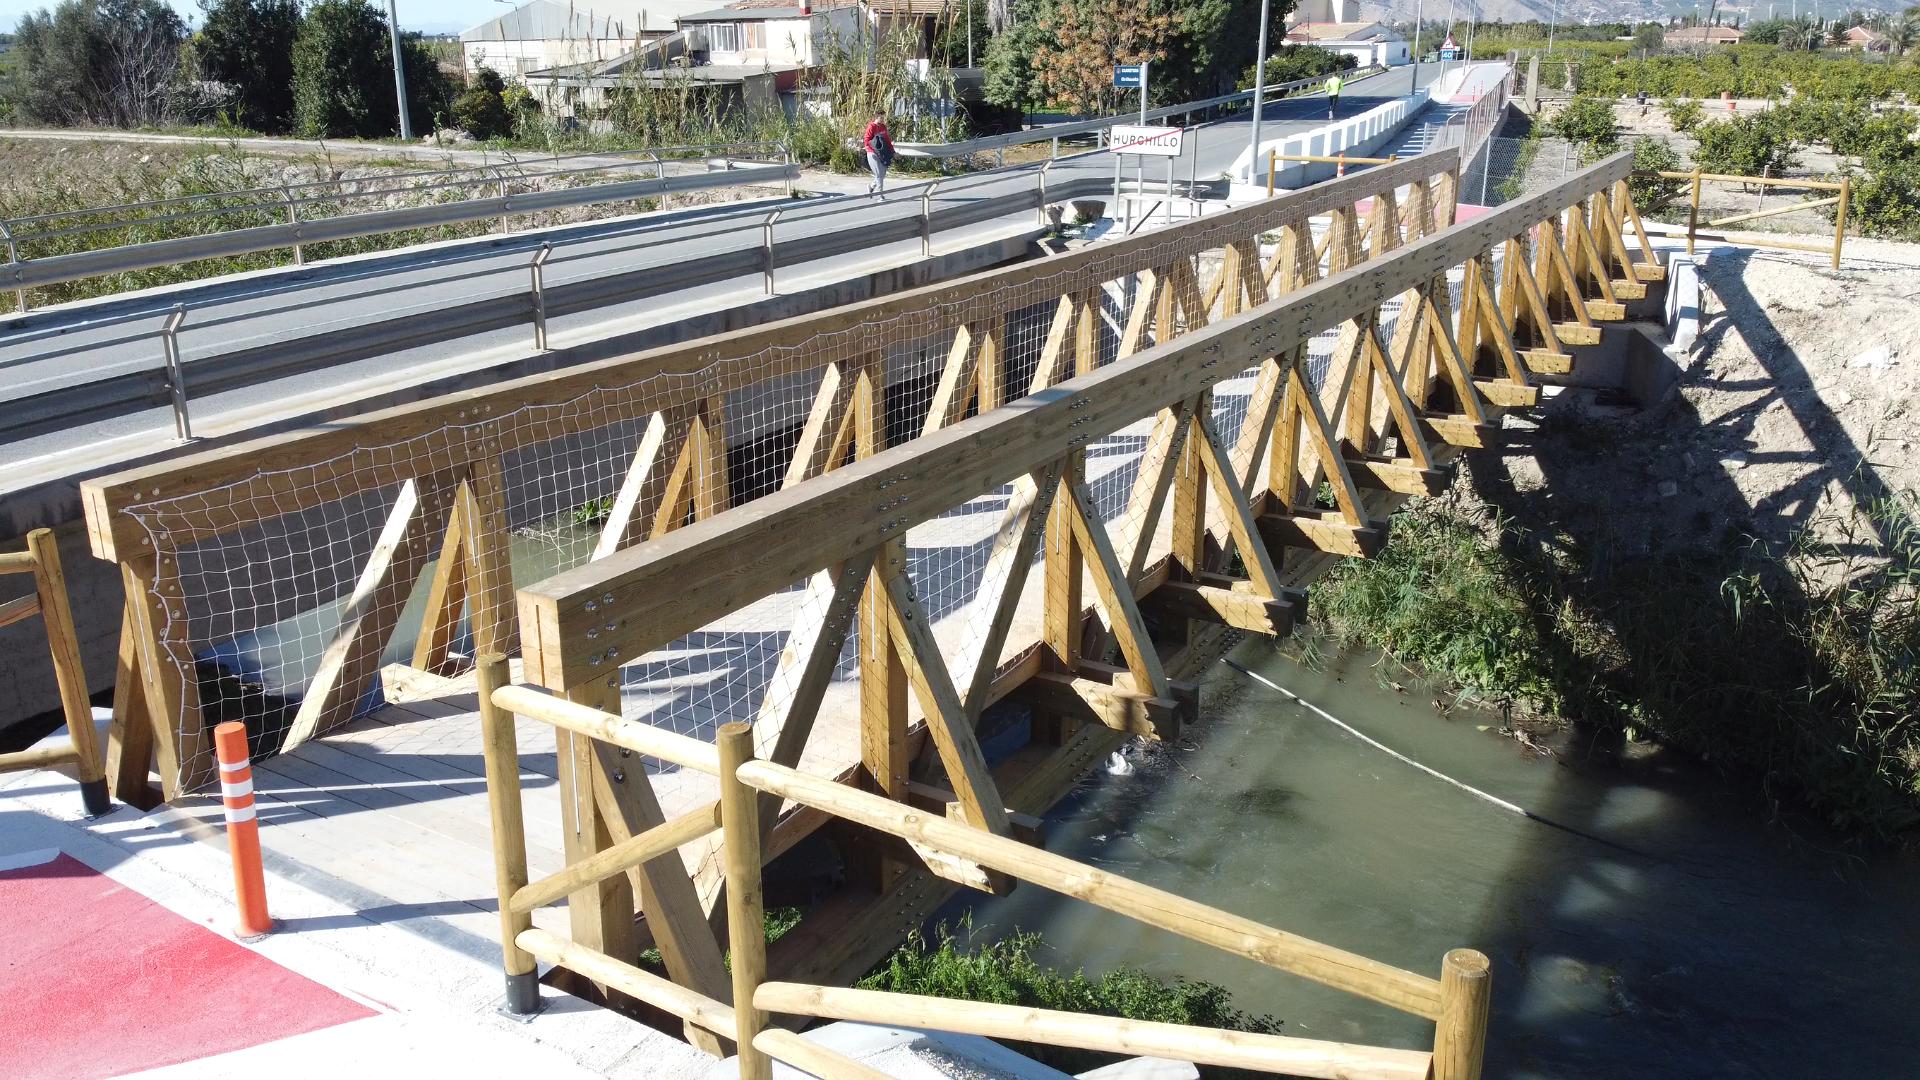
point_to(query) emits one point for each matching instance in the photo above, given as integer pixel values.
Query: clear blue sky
(430, 16)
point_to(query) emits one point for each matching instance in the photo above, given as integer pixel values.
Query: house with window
(1369, 43)
(1688, 37)
(750, 51)
(1866, 39)
(544, 34)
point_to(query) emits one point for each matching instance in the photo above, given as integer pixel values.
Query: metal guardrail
(1068, 130)
(33, 273)
(542, 301)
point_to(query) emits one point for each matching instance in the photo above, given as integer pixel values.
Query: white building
(1370, 43)
(544, 34)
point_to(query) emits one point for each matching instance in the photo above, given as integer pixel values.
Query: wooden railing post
(1460, 1035)
(50, 585)
(746, 917)
(1840, 219)
(1693, 211)
(502, 752)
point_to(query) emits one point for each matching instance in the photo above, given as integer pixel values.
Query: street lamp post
(1418, 8)
(399, 71)
(1259, 94)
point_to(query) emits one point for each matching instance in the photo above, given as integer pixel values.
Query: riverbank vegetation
(1798, 668)
(1009, 971)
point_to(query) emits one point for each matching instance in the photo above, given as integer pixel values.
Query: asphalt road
(64, 348)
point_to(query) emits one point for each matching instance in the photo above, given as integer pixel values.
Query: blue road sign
(1127, 76)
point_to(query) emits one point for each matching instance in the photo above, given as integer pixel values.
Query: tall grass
(1798, 669)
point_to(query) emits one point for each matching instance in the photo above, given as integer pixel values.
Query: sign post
(1144, 142)
(1129, 77)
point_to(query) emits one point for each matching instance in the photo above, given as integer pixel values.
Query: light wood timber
(1330, 966)
(501, 751)
(1207, 1046)
(1322, 532)
(372, 610)
(668, 836)
(1148, 286)
(446, 597)
(953, 464)
(1001, 584)
(1460, 1032)
(623, 804)
(337, 459)
(1211, 603)
(954, 392)
(947, 721)
(131, 736)
(69, 675)
(1397, 475)
(171, 688)
(1116, 595)
(746, 912)
(644, 487)
(19, 609)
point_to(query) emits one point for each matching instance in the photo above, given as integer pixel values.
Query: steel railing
(20, 274)
(1075, 128)
(744, 244)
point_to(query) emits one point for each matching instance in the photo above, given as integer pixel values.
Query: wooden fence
(49, 601)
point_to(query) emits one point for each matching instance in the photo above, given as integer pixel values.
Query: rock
(1843, 398)
(1879, 357)
(1667, 489)
(1736, 460)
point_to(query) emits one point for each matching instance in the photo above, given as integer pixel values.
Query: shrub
(481, 110)
(1292, 62)
(1587, 122)
(1682, 113)
(1652, 193)
(1751, 146)
(1006, 972)
(1886, 199)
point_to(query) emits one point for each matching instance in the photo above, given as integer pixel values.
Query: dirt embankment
(1798, 407)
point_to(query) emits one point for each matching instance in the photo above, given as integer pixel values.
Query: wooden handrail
(683, 829)
(49, 601)
(1338, 968)
(1181, 1042)
(640, 738)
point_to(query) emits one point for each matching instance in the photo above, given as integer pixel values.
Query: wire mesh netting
(284, 591)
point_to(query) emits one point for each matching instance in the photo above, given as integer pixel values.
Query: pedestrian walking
(878, 142)
(1333, 94)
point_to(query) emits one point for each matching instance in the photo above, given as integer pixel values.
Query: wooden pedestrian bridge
(895, 575)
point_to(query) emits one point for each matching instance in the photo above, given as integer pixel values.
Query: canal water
(1664, 925)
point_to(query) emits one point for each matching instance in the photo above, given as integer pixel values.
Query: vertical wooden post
(1840, 219)
(171, 689)
(130, 739)
(746, 917)
(51, 584)
(1460, 1035)
(502, 752)
(1693, 210)
(883, 675)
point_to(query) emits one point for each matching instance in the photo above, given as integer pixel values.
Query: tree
(481, 111)
(1082, 40)
(951, 40)
(1300, 62)
(343, 74)
(1750, 146)
(1649, 38)
(247, 45)
(110, 62)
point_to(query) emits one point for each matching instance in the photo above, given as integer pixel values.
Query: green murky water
(1721, 944)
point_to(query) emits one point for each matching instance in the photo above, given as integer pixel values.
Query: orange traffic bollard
(243, 832)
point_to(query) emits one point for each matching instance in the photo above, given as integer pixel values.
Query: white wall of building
(514, 58)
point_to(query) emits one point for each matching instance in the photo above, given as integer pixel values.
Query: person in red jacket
(878, 143)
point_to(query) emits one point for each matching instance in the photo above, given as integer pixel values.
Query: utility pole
(1418, 8)
(1259, 95)
(399, 71)
(969, 33)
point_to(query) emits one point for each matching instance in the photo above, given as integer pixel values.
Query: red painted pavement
(98, 981)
